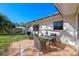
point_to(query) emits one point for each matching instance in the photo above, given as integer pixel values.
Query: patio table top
(48, 37)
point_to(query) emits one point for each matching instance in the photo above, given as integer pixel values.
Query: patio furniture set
(43, 42)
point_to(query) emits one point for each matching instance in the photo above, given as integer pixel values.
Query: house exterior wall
(69, 33)
(47, 24)
(45, 27)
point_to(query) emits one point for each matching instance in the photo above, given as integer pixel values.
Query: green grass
(6, 40)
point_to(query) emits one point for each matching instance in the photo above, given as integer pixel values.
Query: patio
(30, 50)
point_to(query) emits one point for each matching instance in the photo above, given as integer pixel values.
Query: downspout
(77, 27)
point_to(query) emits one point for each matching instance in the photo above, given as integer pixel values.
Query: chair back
(53, 36)
(39, 43)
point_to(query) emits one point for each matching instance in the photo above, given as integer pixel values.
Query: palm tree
(5, 24)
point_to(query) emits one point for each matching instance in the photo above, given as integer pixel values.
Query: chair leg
(40, 53)
(33, 48)
(49, 44)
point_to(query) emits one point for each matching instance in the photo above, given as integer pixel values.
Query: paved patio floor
(29, 50)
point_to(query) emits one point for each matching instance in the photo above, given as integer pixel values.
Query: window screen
(58, 25)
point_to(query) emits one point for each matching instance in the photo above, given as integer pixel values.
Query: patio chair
(53, 38)
(39, 44)
(56, 43)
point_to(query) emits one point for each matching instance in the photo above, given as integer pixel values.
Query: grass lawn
(6, 40)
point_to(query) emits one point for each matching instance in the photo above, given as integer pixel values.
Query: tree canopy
(5, 24)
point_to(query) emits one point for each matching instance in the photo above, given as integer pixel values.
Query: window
(58, 25)
(36, 27)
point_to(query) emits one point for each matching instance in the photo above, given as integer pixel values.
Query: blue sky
(26, 12)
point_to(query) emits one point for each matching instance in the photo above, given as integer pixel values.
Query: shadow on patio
(29, 50)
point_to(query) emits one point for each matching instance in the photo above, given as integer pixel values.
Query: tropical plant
(5, 24)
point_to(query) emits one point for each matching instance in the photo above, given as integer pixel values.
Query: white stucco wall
(46, 27)
(69, 34)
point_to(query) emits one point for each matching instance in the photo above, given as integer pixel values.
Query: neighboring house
(20, 29)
